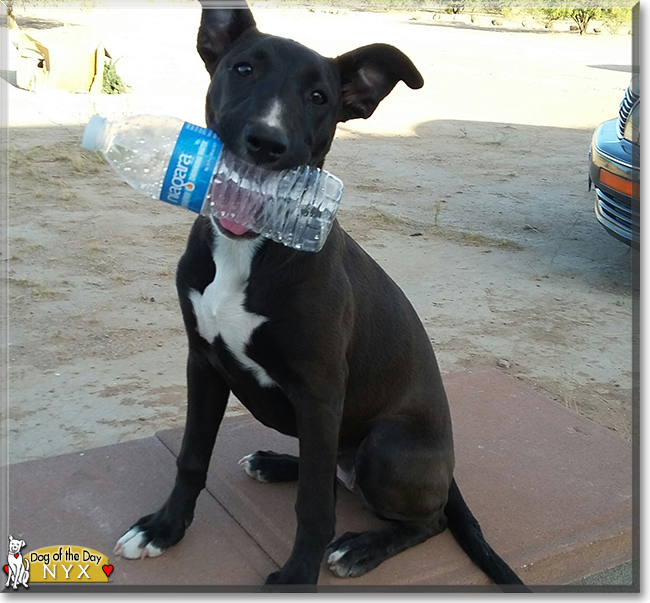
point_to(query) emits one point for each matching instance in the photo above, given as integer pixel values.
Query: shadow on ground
(31, 22)
(490, 28)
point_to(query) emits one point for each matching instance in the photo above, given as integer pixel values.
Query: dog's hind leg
(207, 395)
(267, 466)
(403, 475)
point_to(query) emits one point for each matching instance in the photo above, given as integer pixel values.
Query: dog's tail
(468, 534)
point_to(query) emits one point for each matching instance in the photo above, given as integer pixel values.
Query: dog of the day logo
(57, 564)
(17, 568)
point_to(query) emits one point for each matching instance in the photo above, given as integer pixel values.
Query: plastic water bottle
(186, 165)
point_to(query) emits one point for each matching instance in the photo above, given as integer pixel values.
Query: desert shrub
(112, 83)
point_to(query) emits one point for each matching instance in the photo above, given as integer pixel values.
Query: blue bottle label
(191, 167)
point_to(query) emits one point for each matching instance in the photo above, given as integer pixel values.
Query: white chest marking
(220, 311)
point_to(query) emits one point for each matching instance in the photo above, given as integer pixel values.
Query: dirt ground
(471, 193)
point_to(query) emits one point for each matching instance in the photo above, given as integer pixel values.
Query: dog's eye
(243, 69)
(317, 97)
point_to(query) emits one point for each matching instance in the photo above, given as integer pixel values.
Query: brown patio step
(89, 499)
(551, 489)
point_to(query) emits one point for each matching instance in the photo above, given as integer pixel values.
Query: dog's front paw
(150, 536)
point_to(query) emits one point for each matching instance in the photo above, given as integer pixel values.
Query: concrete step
(551, 490)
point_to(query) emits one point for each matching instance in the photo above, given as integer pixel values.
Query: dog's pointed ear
(220, 28)
(368, 74)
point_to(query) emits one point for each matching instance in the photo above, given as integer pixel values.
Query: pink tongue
(233, 227)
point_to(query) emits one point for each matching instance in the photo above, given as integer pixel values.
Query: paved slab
(551, 489)
(89, 499)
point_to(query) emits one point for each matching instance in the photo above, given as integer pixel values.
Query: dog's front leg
(207, 396)
(318, 424)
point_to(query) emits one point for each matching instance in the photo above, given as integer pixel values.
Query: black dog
(321, 346)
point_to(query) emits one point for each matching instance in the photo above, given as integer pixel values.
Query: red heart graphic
(107, 569)
(16, 555)
(6, 568)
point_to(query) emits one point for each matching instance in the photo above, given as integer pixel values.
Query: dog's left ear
(220, 28)
(368, 74)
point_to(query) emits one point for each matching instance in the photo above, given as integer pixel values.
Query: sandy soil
(471, 192)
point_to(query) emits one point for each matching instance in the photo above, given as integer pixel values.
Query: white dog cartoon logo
(15, 567)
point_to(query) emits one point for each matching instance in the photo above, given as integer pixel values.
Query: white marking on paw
(132, 546)
(335, 568)
(254, 473)
(151, 550)
(336, 555)
(245, 459)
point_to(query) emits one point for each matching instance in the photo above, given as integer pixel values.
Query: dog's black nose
(265, 144)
